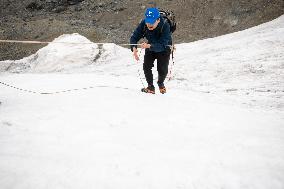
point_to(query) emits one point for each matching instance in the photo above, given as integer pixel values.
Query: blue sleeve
(137, 34)
(164, 41)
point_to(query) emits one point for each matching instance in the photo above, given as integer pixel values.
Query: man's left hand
(145, 45)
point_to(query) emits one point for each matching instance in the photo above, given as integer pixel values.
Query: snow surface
(221, 124)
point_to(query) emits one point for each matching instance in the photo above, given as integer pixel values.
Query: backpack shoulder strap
(144, 30)
(163, 26)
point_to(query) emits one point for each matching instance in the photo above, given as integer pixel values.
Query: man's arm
(137, 35)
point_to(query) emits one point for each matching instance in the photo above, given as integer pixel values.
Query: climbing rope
(79, 43)
(172, 65)
(63, 91)
(139, 72)
(17, 88)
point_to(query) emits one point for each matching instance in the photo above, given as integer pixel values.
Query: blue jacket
(159, 38)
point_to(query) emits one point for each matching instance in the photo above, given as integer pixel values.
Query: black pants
(163, 59)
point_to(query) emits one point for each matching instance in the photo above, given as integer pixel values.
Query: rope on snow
(63, 91)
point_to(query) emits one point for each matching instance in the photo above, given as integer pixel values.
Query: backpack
(169, 17)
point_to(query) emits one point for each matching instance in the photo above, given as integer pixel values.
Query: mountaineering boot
(149, 89)
(162, 88)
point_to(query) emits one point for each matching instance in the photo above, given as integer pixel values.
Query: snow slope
(219, 126)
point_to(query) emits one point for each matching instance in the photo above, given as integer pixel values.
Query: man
(157, 31)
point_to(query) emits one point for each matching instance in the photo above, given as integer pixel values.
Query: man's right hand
(135, 54)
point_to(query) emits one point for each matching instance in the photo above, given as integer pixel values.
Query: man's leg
(163, 59)
(149, 59)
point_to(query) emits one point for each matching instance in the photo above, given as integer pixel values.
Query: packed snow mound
(65, 53)
(62, 54)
